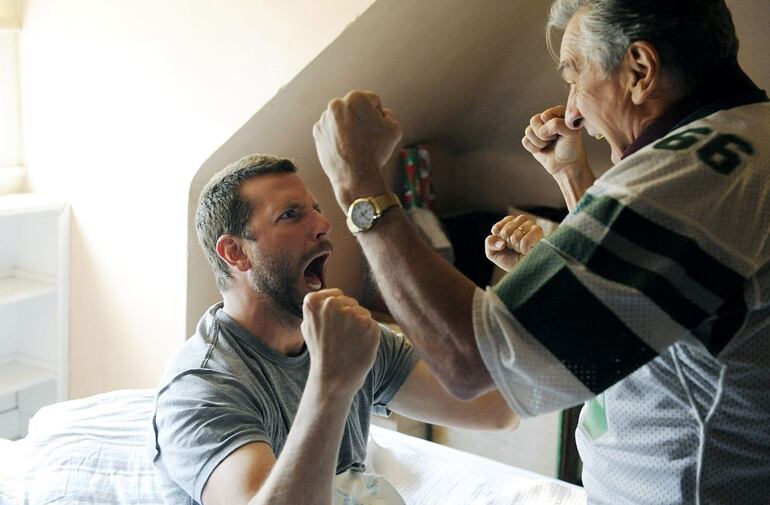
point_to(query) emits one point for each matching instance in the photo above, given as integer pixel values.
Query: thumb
(493, 245)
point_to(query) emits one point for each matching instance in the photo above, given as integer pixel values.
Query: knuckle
(356, 97)
(335, 105)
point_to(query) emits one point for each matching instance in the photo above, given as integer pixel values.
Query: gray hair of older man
(691, 36)
(222, 210)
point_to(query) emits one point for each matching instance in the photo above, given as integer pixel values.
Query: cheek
(586, 103)
(598, 103)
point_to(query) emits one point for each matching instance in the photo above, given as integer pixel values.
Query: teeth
(314, 285)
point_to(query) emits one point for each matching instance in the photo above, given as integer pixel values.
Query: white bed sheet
(426, 473)
(91, 451)
(88, 451)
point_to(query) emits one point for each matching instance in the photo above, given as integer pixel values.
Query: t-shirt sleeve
(200, 418)
(394, 362)
(629, 272)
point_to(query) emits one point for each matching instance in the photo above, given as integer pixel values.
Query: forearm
(304, 472)
(573, 183)
(423, 398)
(431, 301)
(354, 137)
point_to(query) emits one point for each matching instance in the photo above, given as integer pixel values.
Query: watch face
(362, 214)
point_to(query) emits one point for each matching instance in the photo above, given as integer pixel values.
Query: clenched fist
(511, 238)
(553, 143)
(354, 138)
(559, 148)
(342, 339)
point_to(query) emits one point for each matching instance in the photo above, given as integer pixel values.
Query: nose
(572, 115)
(322, 226)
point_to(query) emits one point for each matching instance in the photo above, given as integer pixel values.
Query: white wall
(122, 102)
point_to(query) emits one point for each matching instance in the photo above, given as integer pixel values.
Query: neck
(271, 325)
(652, 109)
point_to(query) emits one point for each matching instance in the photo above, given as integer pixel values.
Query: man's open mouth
(315, 271)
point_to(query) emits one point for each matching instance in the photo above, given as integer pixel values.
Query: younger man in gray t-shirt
(224, 389)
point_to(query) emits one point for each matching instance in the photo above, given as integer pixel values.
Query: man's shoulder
(706, 181)
(395, 350)
(191, 355)
(393, 340)
(709, 153)
(206, 352)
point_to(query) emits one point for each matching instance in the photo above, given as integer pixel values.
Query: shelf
(16, 376)
(15, 289)
(22, 203)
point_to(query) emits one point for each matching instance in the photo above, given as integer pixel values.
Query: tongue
(312, 280)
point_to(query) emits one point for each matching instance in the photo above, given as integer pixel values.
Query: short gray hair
(222, 210)
(691, 36)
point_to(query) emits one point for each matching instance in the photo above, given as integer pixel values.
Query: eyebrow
(565, 66)
(298, 205)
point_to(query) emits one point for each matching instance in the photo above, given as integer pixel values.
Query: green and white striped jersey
(654, 293)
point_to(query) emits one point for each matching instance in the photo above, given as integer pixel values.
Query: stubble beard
(274, 279)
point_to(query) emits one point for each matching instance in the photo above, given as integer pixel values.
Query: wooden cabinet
(34, 290)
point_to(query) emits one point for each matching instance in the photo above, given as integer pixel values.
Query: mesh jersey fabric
(653, 292)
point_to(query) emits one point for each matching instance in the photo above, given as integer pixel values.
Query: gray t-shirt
(224, 389)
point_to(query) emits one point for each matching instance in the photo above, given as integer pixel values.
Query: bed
(91, 451)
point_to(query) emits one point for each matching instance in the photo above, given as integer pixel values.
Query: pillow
(91, 451)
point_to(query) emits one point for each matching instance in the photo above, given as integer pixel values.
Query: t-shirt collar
(251, 342)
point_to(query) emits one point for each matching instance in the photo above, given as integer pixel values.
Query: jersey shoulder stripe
(714, 325)
(571, 322)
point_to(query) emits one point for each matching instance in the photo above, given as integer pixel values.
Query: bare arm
(305, 468)
(422, 397)
(429, 298)
(342, 340)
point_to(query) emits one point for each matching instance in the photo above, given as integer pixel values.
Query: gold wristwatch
(364, 212)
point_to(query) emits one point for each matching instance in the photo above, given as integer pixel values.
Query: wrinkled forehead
(570, 55)
(275, 190)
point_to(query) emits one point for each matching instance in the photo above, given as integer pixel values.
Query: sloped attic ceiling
(463, 76)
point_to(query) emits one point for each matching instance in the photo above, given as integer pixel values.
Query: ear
(642, 62)
(230, 249)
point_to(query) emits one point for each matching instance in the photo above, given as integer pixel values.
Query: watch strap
(383, 202)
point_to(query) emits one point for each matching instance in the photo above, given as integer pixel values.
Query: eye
(289, 214)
